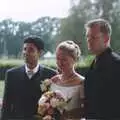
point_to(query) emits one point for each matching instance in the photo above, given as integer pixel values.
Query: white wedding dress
(69, 92)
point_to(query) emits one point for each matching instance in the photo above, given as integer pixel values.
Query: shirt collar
(35, 70)
(103, 54)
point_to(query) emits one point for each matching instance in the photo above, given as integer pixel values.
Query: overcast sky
(31, 10)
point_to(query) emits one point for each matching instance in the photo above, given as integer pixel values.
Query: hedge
(3, 68)
(82, 66)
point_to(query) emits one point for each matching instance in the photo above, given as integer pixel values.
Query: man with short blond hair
(103, 78)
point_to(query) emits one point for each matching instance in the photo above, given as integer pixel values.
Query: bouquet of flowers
(45, 86)
(52, 103)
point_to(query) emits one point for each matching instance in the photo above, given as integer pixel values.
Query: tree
(81, 11)
(12, 34)
(72, 27)
(47, 28)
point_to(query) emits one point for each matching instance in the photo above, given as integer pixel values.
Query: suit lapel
(38, 75)
(24, 74)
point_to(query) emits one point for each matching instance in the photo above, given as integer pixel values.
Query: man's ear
(106, 39)
(41, 53)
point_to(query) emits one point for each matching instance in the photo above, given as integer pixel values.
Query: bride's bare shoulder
(79, 79)
(82, 78)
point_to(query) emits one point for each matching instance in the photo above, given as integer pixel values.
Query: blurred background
(54, 21)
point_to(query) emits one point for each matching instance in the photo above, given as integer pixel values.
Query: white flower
(50, 100)
(47, 82)
(42, 108)
(45, 85)
(54, 102)
(43, 99)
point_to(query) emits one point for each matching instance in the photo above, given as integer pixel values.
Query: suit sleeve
(6, 103)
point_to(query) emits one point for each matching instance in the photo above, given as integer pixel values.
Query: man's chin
(90, 50)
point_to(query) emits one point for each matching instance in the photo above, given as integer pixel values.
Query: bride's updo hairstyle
(70, 48)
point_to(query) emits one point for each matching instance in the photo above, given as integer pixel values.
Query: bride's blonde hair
(70, 48)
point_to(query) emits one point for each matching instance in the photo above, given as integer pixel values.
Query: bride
(68, 81)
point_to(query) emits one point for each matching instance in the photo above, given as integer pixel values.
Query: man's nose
(25, 52)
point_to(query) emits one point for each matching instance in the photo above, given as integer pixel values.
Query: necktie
(30, 74)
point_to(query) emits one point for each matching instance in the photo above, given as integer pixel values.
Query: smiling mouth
(26, 56)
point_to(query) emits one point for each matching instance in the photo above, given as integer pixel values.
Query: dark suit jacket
(102, 87)
(21, 93)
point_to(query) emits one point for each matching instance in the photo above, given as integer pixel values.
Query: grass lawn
(1, 88)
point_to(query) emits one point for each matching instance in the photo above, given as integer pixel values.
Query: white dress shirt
(31, 72)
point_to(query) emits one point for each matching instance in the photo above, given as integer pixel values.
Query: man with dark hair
(22, 85)
(37, 41)
(102, 82)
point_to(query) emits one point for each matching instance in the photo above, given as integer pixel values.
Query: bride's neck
(67, 75)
